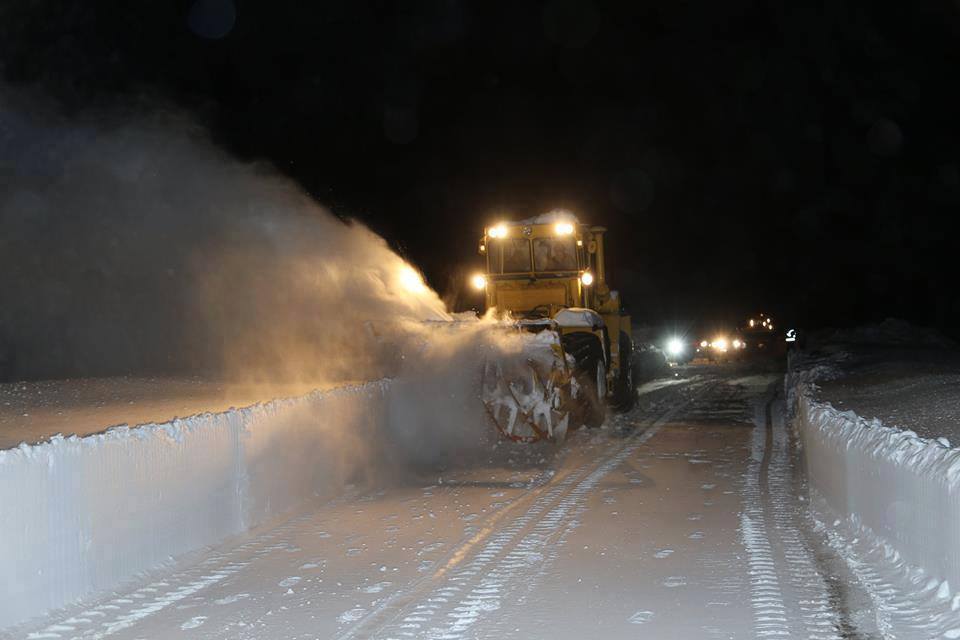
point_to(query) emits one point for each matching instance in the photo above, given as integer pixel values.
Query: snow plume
(137, 246)
(436, 417)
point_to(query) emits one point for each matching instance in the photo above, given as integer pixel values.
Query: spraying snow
(172, 257)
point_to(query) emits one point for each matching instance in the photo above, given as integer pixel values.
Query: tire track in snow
(790, 597)
(516, 554)
(135, 604)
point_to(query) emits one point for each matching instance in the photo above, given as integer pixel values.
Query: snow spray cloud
(141, 248)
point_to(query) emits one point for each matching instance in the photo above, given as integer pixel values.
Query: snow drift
(79, 515)
(893, 498)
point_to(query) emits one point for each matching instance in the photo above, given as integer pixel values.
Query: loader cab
(534, 269)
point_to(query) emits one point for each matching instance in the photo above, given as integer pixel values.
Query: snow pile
(897, 497)
(80, 515)
(557, 215)
(891, 331)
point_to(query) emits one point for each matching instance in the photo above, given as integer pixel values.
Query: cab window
(555, 254)
(510, 255)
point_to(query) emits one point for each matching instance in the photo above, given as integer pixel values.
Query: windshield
(510, 256)
(555, 254)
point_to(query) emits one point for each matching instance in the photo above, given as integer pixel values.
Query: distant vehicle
(762, 337)
(680, 350)
(723, 347)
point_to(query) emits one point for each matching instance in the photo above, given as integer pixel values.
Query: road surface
(683, 519)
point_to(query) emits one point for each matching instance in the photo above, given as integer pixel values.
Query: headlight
(479, 281)
(563, 228)
(704, 344)
(675, 346)
(737, 344)
(586, 278)
(499, 231)
(720, 344)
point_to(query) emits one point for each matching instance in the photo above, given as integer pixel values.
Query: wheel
(590, 372)
(625, 388)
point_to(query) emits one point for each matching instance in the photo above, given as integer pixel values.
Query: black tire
(625, 389)
(587, 352)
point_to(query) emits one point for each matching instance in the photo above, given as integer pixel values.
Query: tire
(590, 371)
(625, 389)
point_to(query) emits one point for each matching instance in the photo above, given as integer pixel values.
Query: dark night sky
(796, 157)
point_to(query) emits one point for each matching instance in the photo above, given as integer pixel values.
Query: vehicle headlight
(499, 231)
(563, 228)
(479, 281)
(704, 344)
(737, 344)
(675, 346)
(720, 344)
(586, 278)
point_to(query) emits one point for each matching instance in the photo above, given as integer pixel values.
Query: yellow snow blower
(546, 277)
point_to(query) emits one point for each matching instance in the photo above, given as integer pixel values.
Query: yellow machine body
(536, 270)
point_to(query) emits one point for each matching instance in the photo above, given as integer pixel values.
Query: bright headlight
(563, 228)
(586, 278)
(479, 281)
(675, 346)
(499, 231)
(720, 344)
(737, 344)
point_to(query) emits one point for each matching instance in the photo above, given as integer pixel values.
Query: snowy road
(684, 519)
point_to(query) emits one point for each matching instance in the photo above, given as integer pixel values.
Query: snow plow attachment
(529, 395)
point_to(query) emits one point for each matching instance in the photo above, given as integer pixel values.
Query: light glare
(412, 281)
(587, 278)
(675, 346)
(499, 231)
(478, 281)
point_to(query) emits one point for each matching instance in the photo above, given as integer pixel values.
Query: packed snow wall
(80, 515)
(884, 483)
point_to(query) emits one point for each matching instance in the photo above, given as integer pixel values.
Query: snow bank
(80, 515)
(888, 486)
(892, 331)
